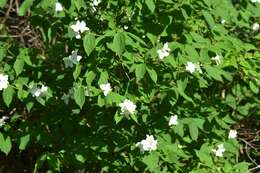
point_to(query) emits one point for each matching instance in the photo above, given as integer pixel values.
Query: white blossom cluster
(148, 144)
(73, 59)
(3, 81)
(255, 26)
(127, 107)
(38, 91)
(164, 52)
(58, 7)
(255, 1)
(79, 27)
(232, 134)
(217, 59)
(219, 151)
(106, 88)
(2, 120)
(193, 67)
(173, 120)
(95, 3)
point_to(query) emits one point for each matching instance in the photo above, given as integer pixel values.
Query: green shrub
(131, 85)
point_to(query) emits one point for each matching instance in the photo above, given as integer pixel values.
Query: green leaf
(79, 4)
(192, 53)
(213, 72)
(152, 162)
(24, 140)
(194, 132)
(53, 162)
(5, 145)
(26, 5)
(100, 101)
(152, 73)
(208, 18)
(179, 129)
(24, 55)
(181, 86)
(89, 43)
(113, 97)
(253, 86)
(119, 43)
(39, 162)
(2, 3)
(77, 71)
(118, 117)
(2, 140)
(134, 117)
(29, 106)
(8, 95)
(103, 77)
(2, 53)
(140, 71)
(136, 38)
(242, 167)
(79, 96)
(90, 76)
(18, 66)
(150, 4)
(204, 155)
(80, 158)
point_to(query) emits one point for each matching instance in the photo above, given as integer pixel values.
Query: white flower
(106, 88)
(74, 58)
(173, 120)
(2, 120)
(88, 91)
(148, 144)
(164, 52)
(220, 150)
(37, 92)
(254, 1)
(192, 67)
(180, 146)
(79, 28)
(232, 134)
(65, 98)
(125, 27)
(3, 81)
(223, 21)
(58, 7)
(127, 107)
(217, 59)
(96, 2)
(255, 27)
(44, 89)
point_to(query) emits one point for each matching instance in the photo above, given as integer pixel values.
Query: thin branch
(248, 155)
(247, 143)
(9, 36)
(255, 168)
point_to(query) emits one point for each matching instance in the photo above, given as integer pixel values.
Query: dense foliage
(131, 85)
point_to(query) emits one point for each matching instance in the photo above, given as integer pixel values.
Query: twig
(247, 143)
(17, 5)
(255, 168)
(248, 155)
(9, 36)
(8, 11)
